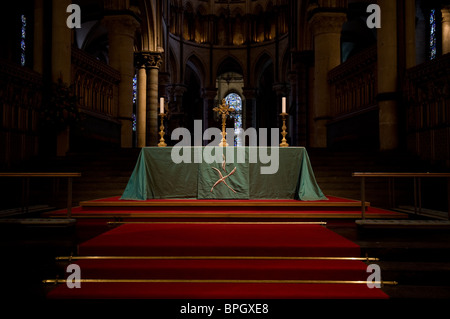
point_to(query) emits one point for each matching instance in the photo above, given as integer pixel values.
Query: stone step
(403, 224)
(38, 222)
(416, 273)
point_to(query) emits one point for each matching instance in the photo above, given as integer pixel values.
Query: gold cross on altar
(223, 110)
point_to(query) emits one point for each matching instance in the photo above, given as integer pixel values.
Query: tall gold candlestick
(223, 110)
(161, 132)
(283, 132)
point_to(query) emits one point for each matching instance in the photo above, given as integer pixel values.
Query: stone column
(175, 95)
(294, 113)
(61, 42)
(326, 27)
(445, 30)
(154, 61)
(121, 30)
(410, 33)
(304, 65)
(178, 91)
(141, 100)
(38, 40)
(250, 107)
(164, 81)
(387, 75)
(208, 95)
(61, 60)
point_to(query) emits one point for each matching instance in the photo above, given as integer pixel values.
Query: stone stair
(333, 171)
(104, 173)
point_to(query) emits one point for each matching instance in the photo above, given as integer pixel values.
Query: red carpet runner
(219, 261)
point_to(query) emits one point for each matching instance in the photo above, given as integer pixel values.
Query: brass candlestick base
(161, 132)
(283, 132)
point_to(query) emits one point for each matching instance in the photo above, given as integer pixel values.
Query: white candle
(283, 105)
(161, 105)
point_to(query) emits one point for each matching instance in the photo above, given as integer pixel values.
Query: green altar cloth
(235, 173)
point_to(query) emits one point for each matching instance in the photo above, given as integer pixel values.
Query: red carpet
(220, 240)
(217, 291)
(179, 278)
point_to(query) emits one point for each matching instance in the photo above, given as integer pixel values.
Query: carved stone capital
(445, 14)
(148, 60)
(327, 22)
(281, 89)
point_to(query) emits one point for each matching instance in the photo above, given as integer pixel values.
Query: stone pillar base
(388, 125)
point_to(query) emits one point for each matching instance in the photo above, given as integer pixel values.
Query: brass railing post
(363, 197)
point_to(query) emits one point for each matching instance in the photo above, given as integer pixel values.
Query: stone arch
(92, 38)
(147, 38)
(173, 67)
(262, 62)
(197, 66)
(285, 65)
(229, 64)
(266, 100)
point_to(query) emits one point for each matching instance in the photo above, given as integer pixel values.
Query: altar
(159, 174)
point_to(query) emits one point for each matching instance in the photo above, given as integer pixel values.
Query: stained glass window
(22, 39)
(134, 100)
(134, 89)
(234, 100)
(134, 122)
(433, 34)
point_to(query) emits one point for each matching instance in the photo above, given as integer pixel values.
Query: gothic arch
(222, 12)
(258, 9)
(197, 66)
(237, 11)
(148, 27)
(93, 39)
(267, 113)
(262, 62)
(173, 67)
(192, 104)
(285, 66)
(233, 90)
(304, 39)
(355, 36)
(229, 64)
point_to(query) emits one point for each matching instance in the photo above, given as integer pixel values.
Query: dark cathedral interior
(363, 93)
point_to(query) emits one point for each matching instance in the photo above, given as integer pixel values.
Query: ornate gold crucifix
(224, 111)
